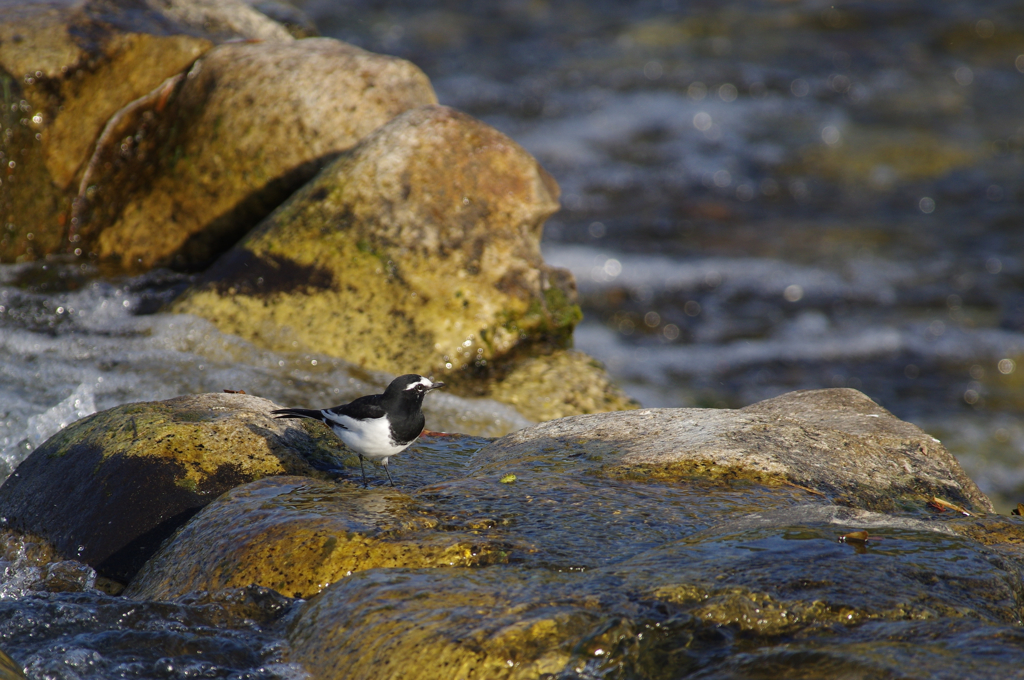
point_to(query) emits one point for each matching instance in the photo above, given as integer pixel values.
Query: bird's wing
(362, 408)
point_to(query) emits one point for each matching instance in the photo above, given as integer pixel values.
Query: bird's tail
(298, 413)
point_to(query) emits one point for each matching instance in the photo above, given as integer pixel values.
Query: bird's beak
(435, 386)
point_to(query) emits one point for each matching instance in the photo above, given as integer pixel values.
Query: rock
(68, 86)
(697, 604)
(109, 488)
(118, 154)
(628, 544)
(416, 251)
(454, 623)
(251, 124)
(836, 441)
(10, 669)
(296, 535)
(563, 383)
(878, 159)
(748, 574)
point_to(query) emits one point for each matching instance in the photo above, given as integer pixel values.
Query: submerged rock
(109, 488)
(296, 535)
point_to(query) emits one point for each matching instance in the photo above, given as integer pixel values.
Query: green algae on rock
(109, 488)
(416, 251)
(297, 535)
(690, 605)
(835, 441)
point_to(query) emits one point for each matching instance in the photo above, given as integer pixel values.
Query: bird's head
(411, 386)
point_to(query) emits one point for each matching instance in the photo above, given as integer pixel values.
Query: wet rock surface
(636, 543)
(644, 569)
(108, 489)
(837, 442)
(296, 535)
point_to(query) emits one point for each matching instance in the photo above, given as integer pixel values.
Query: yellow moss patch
(297, 536)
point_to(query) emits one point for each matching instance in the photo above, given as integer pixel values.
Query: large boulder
(836, 442)
(129, 147)
(651, 543)
(71, 68)
(661, 543)
(249, 125)
(108, 489)
(416, 251)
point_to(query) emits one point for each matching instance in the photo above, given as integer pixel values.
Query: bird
(377, 426)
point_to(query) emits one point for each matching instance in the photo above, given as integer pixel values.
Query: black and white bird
(376, 426)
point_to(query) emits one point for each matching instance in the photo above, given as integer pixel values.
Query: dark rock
(108, 489)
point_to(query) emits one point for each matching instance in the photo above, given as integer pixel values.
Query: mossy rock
(250, 124)
(489, 623)
(109, 488)
(738, 589)
(297, 535)
(65, 89)
(416, 251)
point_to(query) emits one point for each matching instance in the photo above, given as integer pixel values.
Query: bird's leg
(362, 470)
(388, 474)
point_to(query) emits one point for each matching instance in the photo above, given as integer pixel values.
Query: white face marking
(422, 381)
(372, 438)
